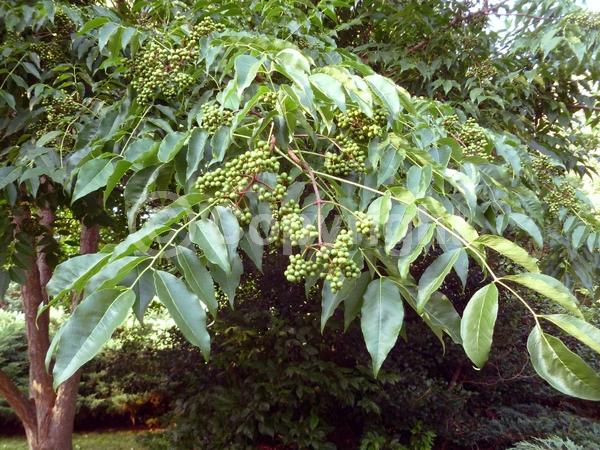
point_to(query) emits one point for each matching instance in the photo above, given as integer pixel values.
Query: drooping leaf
(206, 234)
(75, 272)
(246, 68)
(528, 225)
(230, 228)
(382, 318)
(510, 250)
(137, 189)
(170, 145)
(197, 278)
(92, 324)
(397, 226)
(548, 287)
(185, 309)
(477, 324)
(441, 313)
(434, 276)
(564, 370)
(380, 209)
(414, 244)
(196, 149)
(229, 281)
(93, 175)
(353, 301)
(578, 328)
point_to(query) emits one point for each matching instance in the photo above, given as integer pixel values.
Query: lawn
(117, 440)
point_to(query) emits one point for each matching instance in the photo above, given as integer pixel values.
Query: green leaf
(105, 32)
(143, 288)
(330, 301)
(253, 247)
(9, 174)
(331, 88)
(96, 22)
(246, 68)
(352, 291)
(380, 209)
(92, 324)
(477, 325)
(509, 249)
(93, 175)
(141, 150)
(229, 281)
(206, 234)
(564, 370)
(74, 273)
(113, 272)
(397, 226)
(441, 313)
(232, 233)
(170, 145)
(418, 180)
(137, 189)
(8, 98)
(196, 148)
(548, 287)
(185, 309)
(526, 224)
(157, 224)
(382, 317)
(354, 300)
(119, 170)
(434, 275)
(578, 328)
(198, 278)
(578, 236)
(219, 143)
(414, 244)
(387, 92)
(390, 162)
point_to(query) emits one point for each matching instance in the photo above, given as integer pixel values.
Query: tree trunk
(47, 416)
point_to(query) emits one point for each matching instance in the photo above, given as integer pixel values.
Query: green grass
(117, 440)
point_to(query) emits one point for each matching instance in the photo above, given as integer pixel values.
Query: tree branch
(17, 400)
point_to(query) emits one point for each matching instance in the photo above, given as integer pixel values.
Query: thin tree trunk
(46, 416)
(66, 400)
(38, 340)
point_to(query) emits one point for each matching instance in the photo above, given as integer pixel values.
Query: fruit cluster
(205, 27)
(365, 224)
(483, 70)
(236, 177)
(51, 53)
(586, 20)
(63, 25)
(214, 117)
(333, 263)
(346, 157)
(562, 196)
(58, 114)
(470, 136)
(292, 226)
(275, 194)
(545, 170)
(359, 126)
(269, 100)
(159, 69)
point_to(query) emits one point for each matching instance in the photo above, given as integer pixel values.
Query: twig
(318, 201)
